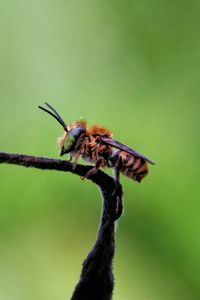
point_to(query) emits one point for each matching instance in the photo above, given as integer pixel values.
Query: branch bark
(96, 280)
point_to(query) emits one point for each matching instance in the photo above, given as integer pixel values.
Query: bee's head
(70, 138)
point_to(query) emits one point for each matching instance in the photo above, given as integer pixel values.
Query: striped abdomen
(134, 167)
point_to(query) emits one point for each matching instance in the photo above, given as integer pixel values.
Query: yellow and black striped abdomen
(132, 166)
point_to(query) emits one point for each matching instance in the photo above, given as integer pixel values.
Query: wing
(122, 147)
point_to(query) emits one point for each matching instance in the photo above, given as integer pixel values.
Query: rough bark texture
(96, 280)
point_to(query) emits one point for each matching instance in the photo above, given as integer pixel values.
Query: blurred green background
(132, 66)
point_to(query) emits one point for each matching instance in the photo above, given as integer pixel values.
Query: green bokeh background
(132, 66)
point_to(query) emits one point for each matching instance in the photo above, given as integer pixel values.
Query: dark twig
(96, 280)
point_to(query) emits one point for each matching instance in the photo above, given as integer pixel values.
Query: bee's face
(68, 141)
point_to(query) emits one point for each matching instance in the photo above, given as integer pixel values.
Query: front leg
(76, 157)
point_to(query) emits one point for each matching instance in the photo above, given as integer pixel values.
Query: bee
(95, 145)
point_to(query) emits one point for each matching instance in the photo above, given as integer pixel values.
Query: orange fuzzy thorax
(97, 130)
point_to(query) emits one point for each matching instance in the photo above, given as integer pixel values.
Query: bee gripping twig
(96, 280)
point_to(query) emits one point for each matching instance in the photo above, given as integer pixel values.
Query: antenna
(55, 115)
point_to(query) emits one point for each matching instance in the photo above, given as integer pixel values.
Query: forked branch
(96, 280)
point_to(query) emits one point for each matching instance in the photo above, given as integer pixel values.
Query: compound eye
(77, 131)
(69, 142)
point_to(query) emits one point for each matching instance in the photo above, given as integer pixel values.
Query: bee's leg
(118, 193)
(117, 169)
(117, 184)
(116, 177)
(118, 189)
(119, 204)
(75, 161)
(98, 164)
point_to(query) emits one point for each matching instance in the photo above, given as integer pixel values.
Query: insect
(95, 145)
